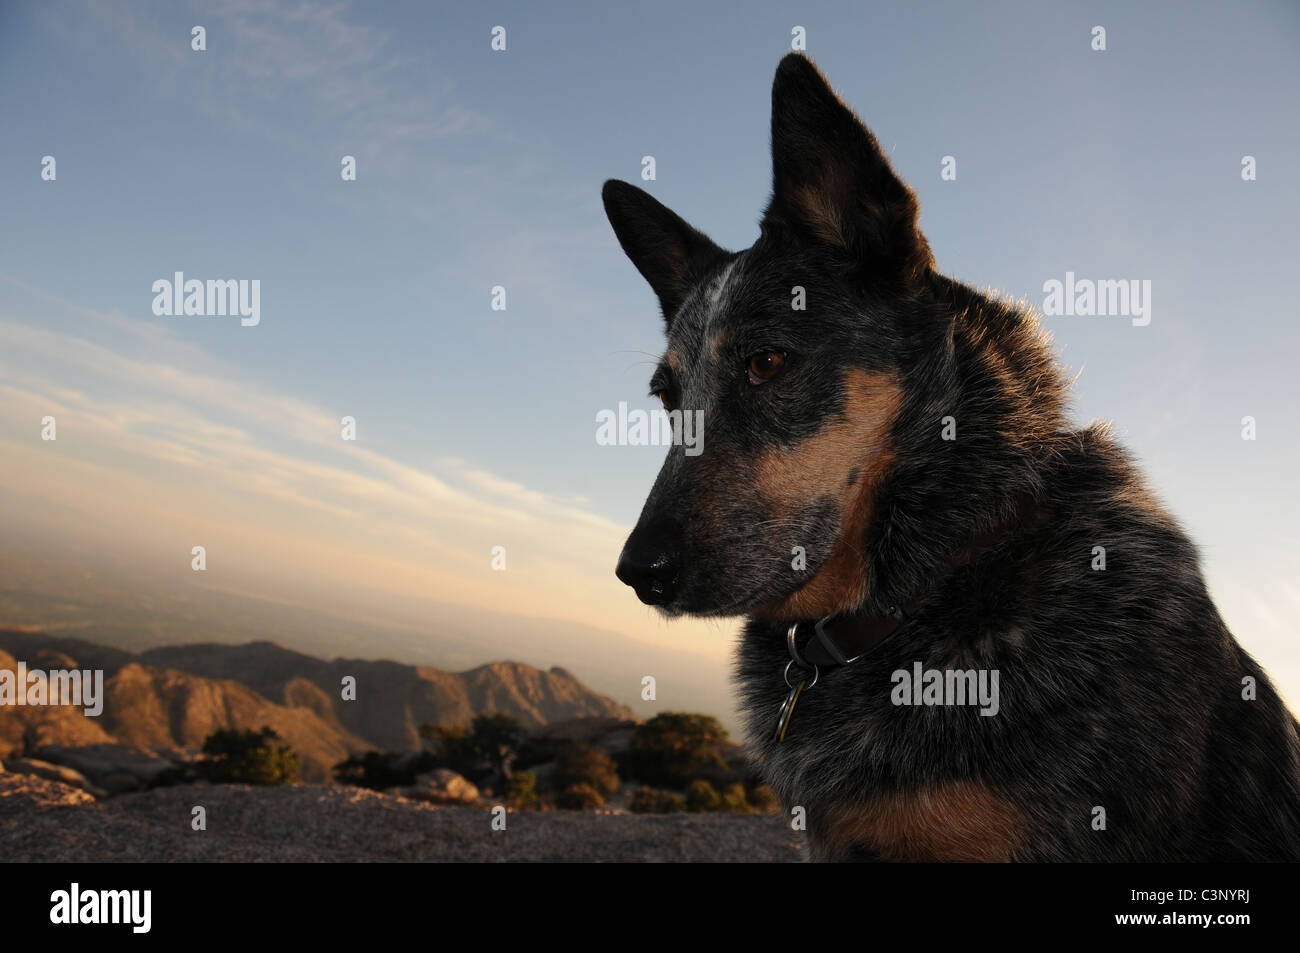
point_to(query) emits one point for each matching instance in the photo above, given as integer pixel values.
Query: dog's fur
(1120, 688)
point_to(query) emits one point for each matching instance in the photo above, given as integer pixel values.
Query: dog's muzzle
(651, 563)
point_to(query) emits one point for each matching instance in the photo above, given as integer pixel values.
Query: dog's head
(794, 351)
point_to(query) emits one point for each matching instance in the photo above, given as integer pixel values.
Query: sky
(479, 168)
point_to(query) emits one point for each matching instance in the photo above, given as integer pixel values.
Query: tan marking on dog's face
(820, 466)
(674, 361)
(715, 346)
(960, 821)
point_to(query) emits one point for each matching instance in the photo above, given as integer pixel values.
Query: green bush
(498, 737)
(248, 757)
(521, 790)
(702, 796)
(763, 799)
(643, 801)
(671, 803)
(582, 764)
(451, 746)
(580, 797)
(649, 801)
(490, 743)
(675, 748)
(380, 770)
(535, 751)
(734, 800)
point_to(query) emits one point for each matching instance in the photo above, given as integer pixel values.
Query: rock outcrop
(20, 793)
(55, 772)
(114, 768)
(442, 786)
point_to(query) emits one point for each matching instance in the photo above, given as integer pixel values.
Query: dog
(972, 633)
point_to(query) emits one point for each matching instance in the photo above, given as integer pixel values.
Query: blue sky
(478, 168)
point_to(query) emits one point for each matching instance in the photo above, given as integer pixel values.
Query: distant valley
(93, 594)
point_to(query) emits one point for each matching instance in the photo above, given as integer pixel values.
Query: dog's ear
(832, 183)
(671, 255)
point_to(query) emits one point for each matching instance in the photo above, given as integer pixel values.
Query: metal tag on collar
(786, 711)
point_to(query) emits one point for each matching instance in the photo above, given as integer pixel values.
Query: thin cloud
(152, 448)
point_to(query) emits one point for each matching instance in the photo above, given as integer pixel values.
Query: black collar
(842, 639)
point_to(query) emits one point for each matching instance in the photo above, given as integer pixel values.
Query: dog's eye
(765, 365)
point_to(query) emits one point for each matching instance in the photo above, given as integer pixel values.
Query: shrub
(380, 770)
(248, 757)
(521, 790)
(643, 801)
(535, 751)
(702, 796)
(582, 764)
(498, 739)
(675, 748)
(491, 741)
(649, 801)
(580, 797)
(451, 746)
(670, 803)
(763, 799)
(734, 801)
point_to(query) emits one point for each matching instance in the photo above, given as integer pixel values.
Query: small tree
(498, 738)
(734, 800)
(701, 796)
(649, 801)
(248, 757)
(674, 748)
(670, 803)
(452, 747)
(582, 764)
(580, 797)
(643, 801)
(380, 770)
(763, 799)
(521, 789)
(491, 742)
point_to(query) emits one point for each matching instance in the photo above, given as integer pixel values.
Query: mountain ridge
(174, 696)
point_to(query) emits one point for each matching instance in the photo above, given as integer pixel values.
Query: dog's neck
(843, 638)
(992, 396)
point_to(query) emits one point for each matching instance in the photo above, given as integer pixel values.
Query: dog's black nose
(650, 562)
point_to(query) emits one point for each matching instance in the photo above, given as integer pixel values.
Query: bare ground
(47, 821)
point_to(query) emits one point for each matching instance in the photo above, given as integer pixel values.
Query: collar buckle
(828, 643)
(824, 638)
